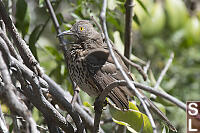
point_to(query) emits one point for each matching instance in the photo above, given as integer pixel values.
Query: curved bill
(67, 32)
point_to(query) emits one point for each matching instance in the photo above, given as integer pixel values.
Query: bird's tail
(119, 97)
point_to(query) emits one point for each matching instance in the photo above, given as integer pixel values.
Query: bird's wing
(102, 71)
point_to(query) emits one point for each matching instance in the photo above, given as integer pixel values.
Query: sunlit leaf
(177, 13)
(154, 24)
(118, 42)
(41, 3)
(112, 4)
(133, 119)
(143, 6)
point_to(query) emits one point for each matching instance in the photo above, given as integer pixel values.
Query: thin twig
(138, 67)
(160, 93)
(128, 29)
(99, 27)
(119, 67)
(146, 67)
(75, 96)
(162, 74)
(37, 97)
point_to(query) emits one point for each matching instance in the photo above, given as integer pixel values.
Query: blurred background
(160, 27)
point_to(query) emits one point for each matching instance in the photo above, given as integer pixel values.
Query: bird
(92, 67)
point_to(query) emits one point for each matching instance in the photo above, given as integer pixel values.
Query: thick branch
(39, 100)
(23, 49)
(37, 97)
(57, 92)
(11, 99)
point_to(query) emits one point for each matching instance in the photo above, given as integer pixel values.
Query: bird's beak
(67, 32)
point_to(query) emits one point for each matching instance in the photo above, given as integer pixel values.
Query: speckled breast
(78, 71)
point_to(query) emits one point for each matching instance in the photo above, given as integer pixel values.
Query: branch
(65, 96)
(138, 67)
(58, 96)
(151, 90)
(56, 25)
(37, 97)
(39, 100)
(128, 29)
(76, 94)
(129, 82)
(162, 94)
(12, 100)
(146, 67)
(3, 128)
(23, 49)
(162, 74)
(10, 45)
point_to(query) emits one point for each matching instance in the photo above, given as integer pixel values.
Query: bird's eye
(81, 28)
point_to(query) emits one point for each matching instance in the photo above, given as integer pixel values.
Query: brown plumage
(90, 65)
(92, 68)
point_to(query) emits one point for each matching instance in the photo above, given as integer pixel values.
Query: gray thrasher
(92, 68)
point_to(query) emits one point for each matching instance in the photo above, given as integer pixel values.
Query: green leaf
(34, 38)
(54, 52)
(132, 118)
(143, 6)
(135, 18)
(133, 106)
(60, 18)
(41, 3)
(177, 13)
(11, 127)
(164, 130)
(21, 8)
(154, 24)
(22, 17)
(112, 4)
(125, 124)
(118, 42)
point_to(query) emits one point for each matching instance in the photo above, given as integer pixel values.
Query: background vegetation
(159, 28)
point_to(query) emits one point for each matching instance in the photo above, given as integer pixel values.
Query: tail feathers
(119, 98)
(155, 109)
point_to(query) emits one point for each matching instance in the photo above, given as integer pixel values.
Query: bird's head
(81, 30)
